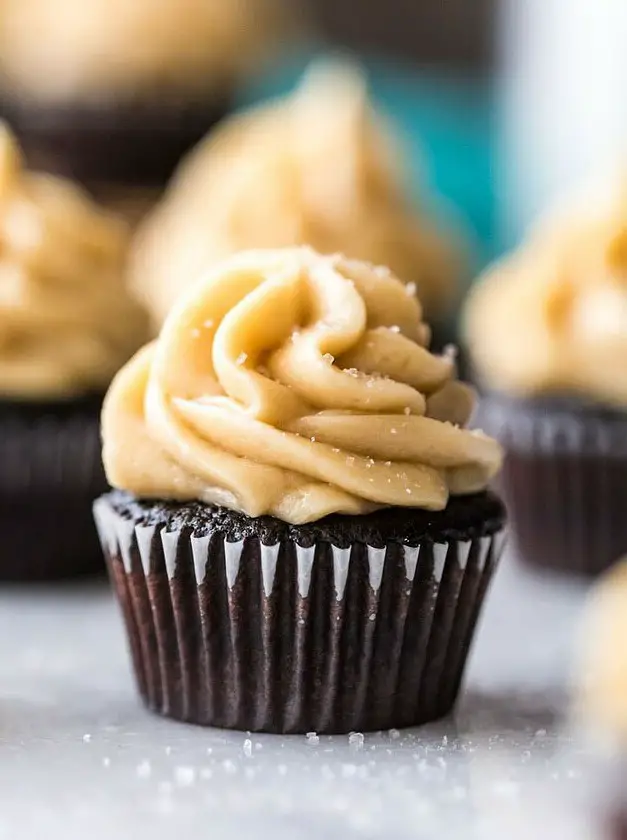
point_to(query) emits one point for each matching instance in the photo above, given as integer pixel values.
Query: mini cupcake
(318, 168)
(300, 538)
(66, 325)
(113, 93)
(600, 707)
(547, 329)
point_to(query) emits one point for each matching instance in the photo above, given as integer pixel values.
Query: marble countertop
(79, 757)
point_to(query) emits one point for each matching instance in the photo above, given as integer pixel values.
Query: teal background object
(448, 124)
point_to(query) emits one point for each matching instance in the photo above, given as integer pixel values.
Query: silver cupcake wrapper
(284, 638)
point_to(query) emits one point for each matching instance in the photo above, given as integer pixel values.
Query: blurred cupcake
(319, 168)
(113, 93)
(301, 538)
(66, 326)
(547, 329)
(600, 708)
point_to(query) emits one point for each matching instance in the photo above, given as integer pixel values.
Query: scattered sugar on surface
(229, 767)
(168, 750)
(185, 776)
(87, 738)
(394, 734)
(328, 358)
(411, 289)
(144, 769)
(348, 771)
(312, 739)
(106, 761)
(241, 358)
(356, 739)
(394, 328)
(248, 748)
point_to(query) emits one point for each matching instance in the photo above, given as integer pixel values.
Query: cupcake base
(352, 623)
(51, 470)
(137, 144)
(564, 480)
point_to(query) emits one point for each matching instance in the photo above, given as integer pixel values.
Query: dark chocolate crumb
(465, 518)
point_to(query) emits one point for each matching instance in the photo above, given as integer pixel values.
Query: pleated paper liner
(290, 639)
(138, 143)
(564, 481)
(50, 472)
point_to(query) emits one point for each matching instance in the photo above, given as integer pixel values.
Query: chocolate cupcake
(547, 329)
(66, 325)
(300, 538)
(112, 93)
(320, 168)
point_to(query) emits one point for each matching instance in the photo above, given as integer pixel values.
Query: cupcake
(113, 93)
(300, 537)
(547, 330)
(600, 707)
(66, 326)
(318, 168)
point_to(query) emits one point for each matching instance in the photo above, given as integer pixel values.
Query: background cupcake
(600, 707)
(548, 333)
(112, 93)
(319, 167)
(304, 539)
(66, 325)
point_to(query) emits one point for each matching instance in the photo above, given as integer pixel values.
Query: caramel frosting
(318, 168)
(552, 318)
(104, 48)
(601, 675)
(297, 385)
(67, 322)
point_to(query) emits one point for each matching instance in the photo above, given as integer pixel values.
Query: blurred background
(454, 35)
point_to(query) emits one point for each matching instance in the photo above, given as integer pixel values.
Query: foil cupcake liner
(290, 639)
(564, 481)
(50, 472)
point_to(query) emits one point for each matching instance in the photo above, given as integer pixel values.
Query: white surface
(562, 62)
(80, 758)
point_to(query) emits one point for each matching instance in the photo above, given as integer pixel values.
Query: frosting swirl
(118, 47)
(552, 318)
(67, 322)
(601, 673)
(319, 168)
(296, 385)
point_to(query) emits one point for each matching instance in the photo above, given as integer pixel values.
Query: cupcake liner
(564, 481)
(137, 144)
(51, 470)
(290, 639)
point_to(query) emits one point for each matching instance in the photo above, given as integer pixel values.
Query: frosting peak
(296, 385)
(66, 320)
(317, 168)
(552, 318)
(105, 48)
